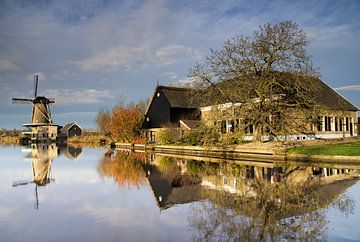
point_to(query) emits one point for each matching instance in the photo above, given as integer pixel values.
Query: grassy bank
(94, 139)
(350, 149)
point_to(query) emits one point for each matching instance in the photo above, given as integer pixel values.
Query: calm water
(50, 193)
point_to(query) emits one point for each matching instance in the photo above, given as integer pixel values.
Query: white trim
(186, 126)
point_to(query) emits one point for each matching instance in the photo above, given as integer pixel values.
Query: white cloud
(169, 74)
(348, 88)
(30, 77)
(6, 65)
(172, 53)
(119, 57)
(116, 43)
(76, 97)
(186, 82)
(331, 36)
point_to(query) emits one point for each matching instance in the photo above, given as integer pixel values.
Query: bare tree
(102, 119)
(269, 73)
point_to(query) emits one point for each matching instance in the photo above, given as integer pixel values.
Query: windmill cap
(42, 99)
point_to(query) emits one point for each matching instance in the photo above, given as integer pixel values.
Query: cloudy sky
(90, 53)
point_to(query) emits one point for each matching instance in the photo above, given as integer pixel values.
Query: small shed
(70, 130)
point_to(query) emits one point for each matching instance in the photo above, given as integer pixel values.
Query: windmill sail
(41, 114)
(36, 83)
(21, 100)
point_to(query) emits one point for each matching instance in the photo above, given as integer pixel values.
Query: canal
(64, 193)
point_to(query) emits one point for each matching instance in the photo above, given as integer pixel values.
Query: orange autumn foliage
(124, 123)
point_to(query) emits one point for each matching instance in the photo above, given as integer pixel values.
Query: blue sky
(90, 53)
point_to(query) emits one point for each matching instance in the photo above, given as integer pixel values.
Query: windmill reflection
(41, 157)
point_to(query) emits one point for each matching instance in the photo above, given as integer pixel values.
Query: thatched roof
(332, 99)
(179, 97)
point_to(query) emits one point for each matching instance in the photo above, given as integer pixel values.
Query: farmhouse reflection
(41, 156)
(246, 201)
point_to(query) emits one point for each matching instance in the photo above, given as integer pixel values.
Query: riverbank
(89, 140)
(347, 151)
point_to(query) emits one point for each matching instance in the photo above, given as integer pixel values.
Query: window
(347, 124)
(319, 127)
(249, 127)
(327, 123)
(232, 126)
(225, 182)
(336, 124)
(223, 127)
(341, 124)
(236, 182)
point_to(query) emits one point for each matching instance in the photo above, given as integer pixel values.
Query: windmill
(41, 123)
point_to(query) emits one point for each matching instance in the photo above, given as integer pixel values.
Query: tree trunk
(258, 132)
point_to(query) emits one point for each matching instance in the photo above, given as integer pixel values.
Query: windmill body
(41, 128)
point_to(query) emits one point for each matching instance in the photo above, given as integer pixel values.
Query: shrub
(231, 138)
(124, 123)
(139, 140)
(202, 135)
(168, 135)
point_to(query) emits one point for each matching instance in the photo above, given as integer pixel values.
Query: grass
(349, 149)
(88, 139)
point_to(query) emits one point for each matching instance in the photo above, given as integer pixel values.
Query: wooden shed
(70, 130)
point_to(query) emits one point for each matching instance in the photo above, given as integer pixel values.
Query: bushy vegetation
(203, 135)
(123, 123)
(89, 138)
(169, 135)
(231, 138)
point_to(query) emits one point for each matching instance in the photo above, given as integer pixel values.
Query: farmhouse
(181, 110)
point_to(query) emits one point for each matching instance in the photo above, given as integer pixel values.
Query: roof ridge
(175, 88)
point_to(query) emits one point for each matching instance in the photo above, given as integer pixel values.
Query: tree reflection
(285, 210)
(124, 167)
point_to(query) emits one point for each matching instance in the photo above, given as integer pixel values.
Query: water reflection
(42, 156)
(247, 201)
(125, 168)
